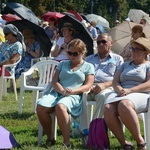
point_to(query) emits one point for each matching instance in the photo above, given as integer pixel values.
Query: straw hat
(145, 43)
(68, 25)
(27, 33)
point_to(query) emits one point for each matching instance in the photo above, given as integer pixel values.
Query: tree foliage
(109, 9)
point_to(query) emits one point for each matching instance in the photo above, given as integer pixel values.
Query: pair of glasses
(75, 54)
(136, 49)
(102, 41)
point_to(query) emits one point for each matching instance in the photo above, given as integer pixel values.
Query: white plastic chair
(82, 120)
(3, 79)
(88, 107)
(46, 69)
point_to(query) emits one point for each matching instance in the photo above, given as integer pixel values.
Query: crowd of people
(119, 83)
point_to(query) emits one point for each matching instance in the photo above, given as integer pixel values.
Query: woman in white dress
(131, 92)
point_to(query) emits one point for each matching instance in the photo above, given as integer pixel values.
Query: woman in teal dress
(71, 79)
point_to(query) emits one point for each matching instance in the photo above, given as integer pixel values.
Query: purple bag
(97, 136)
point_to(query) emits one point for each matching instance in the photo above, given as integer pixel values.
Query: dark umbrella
(21, 11)
(39, 33)
(81, 31)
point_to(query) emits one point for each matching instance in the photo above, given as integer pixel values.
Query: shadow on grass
(15, 115)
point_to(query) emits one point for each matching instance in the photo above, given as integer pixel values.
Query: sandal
(141, 146)
(128, 147)
(66, 146)
(50, 142)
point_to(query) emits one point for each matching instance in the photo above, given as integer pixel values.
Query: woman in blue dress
(131, 92)
(13, 47)
(71, 79)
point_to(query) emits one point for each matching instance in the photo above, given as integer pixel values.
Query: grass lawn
(25, 127)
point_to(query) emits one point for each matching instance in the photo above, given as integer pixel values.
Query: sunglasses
(73, 54)
(135, 49)
(102, 41)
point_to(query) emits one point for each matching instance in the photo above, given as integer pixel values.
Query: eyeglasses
(102, 41)
(135, 49)
(75, 54)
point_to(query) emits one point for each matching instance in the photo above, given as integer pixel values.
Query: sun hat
(27, 33)
(68, 25)
(145, 43)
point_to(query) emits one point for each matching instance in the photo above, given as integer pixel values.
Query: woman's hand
(124, 92)
(67, 92)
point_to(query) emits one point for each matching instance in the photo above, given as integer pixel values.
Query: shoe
(128, 147)
(50, 143)
(66, 146)
(141, 146)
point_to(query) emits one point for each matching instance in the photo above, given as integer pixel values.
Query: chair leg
(40, 133)
(15, 90)
(21, 101)
(35, 98)
(4, 87)
(1, 89)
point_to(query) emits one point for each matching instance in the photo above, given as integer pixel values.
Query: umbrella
(10, 17)
(81, 31)
(98, 19)
(39, 33)
(51, 14)
(121, 35)
(21, 11)
(2, 37)
(136, 15)
(7, 140)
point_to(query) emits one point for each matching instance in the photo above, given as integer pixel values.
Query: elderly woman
(131, 92)
(12, 48)
(137, 31)
(65, 98)
(33, 50)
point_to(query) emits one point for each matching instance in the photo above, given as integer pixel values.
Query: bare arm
(56, 51)
(13, 59)
(116, 82)
(55, 83)
(101, 86)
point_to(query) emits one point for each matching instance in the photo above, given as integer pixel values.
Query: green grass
(25, 127)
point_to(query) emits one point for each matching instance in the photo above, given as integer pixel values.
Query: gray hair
(10, 28)
(105, 34)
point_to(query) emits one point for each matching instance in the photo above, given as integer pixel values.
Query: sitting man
(105, 63)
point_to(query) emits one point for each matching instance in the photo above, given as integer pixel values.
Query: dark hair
(53, 19)
(139, 29)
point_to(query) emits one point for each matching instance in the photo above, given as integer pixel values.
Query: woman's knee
(109, 110)
(60, 108)
(125, 105)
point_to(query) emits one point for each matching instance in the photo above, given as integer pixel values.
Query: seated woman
(132, 86)
(33, 50)
(12, 48)
(65, 97)
(59, 52)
